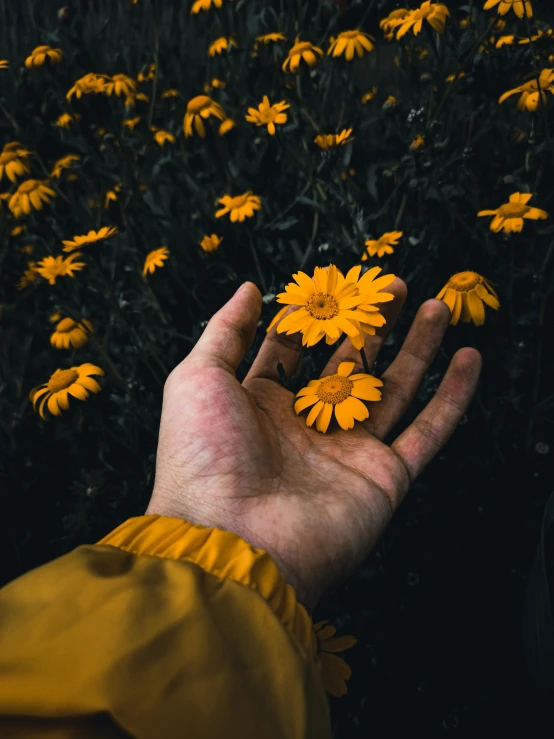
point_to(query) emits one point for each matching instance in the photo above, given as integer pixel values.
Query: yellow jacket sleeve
(163, 629)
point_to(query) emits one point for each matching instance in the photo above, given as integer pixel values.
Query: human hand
(237, 457)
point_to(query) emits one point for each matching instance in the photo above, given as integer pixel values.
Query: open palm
(237, 457)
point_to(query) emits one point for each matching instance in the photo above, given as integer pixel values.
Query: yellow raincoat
(164, 629)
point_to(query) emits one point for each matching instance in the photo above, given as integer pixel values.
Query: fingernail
(241, 287)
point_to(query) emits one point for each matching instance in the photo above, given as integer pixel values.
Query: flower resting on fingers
(334, 670)
(342, 393)
(332, 304)
(509, 217)
(466, 294)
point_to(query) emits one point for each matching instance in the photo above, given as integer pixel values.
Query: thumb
(231, 331)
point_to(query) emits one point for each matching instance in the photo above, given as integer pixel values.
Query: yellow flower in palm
(466, 294)
(269, 38)
(529, 91)
(394, 19)
(383, 245)
(66, 119)
(39, 55)
(120, 85)
(166, 94)
(86, 85)
(31, 194)
(198, 110)
(521, 8)
(342, 393)
(302, 51)
(509, 217)
(131, 123)
(334, 670)
(75, 381)
(221, 44)
(63, 164)
(268, 115)
(239, 207)
(350, 43)
(161, 137)
(199, 5)
(211, 243)
(30, 276)
(70, 333)
(332, 304)
(12, 165)
(52, 267)
(434, 13)
(332, 140)
(91, 238)
(155, 258)
(366, 97)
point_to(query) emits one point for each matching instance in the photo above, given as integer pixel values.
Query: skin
(237, 457)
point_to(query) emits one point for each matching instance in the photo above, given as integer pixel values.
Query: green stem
(364, 361)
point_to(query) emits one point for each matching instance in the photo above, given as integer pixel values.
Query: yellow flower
(148, 74)
(39, 55)
(302, 50)
(417, 143)
(452, 77)
(383, 245)
(366, 97)
(332, 304)
(199, 5)
(198, 109)
(120, 84)
(221, 44)
(394, 19)
(215, 84)
(52, 267)
(332, 140)
(540, 36)
(268, 115)
(434, 13)
(464, 294)
(31, 194)
(131, 123)
(239, 207)
(226, 126)
(529, 97)
(350, 43)
(66, 119)
(91, 238)
(30, 276)
(161, 137)
(509, 217)
(521, 8)
(504, 41)
(269, 38)
(69, 333)
(55, 317)
(166, 94)
(62, 164)
(155, 258)
(211, 243)
(341, 393)
(111, 195)
(12, 165)
(141, 97)
(4, 64)
(390, 103)
(90, 83)
(75, 381)
(17, 230)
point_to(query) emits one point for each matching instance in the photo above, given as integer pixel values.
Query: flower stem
(364, 361)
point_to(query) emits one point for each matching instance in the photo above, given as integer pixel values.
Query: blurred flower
(215, 84)
(240, 206)
(302, 50)
(434, 13)
(52, 267)
(69, 333)
(211, 243)
(390, 103)
(344, 174)
(17, 230)
(334, 670)
(13, 164)
(199, 108)
(465, 22)
(452, 77)
(417, 143)
(119, 85)
(62, 164)
(199, 5)
(4, 64)
(268, 115)
(221, 44)
(464, 294)
(332, 140)
(131, 123)
(350, 43)
(66, 119)
(268, 38)
(30, 276)
(27, 249)
(31, 194)
(383, 245)
(147, 74)
(540, 36)
(394, 19)
(341, 394)
(91, 238)
(509, 217)
(75, 381)
(155, 258)
(366, 97)
(166, 94)
(141, 97)
(161, 137)
(111, 195)
(226, 126)
(504, 41)
(521, 8)
(89, 83)
(39, 55)
(55, 317)
(332, 304)
(529, 98)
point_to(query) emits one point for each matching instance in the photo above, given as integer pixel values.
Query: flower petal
(345, 368)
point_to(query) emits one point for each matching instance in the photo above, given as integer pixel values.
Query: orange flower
(334, 670)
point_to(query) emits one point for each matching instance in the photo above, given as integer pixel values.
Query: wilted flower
(39, 55)
(91, 238)
(383, 245)
(509, 217)
(268, 115)
(239, 207)
(70, 333)
(332, 140)
(465, 293)
(211, 243)
(269, 38)
(199, 109)
(529, 98)
(120, 85)
(302, 50)
(521, 8)
(154, 259)
(31, 194)
(76, 381)
(13, 164)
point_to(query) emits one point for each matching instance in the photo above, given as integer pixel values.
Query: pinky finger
(434, 426)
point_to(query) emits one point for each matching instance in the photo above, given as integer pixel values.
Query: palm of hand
(237, 457)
